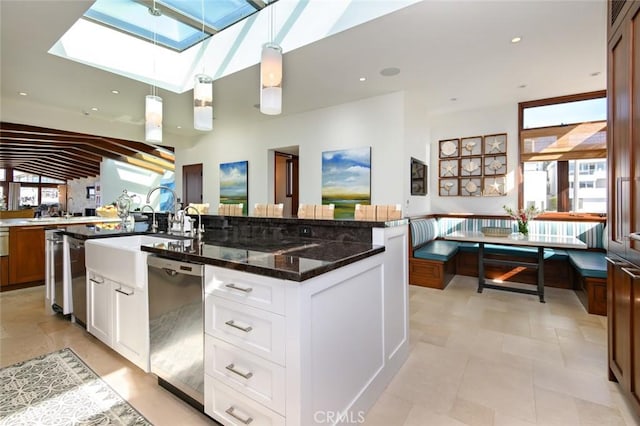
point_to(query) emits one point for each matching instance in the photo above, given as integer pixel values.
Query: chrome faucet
(154, 224)
(170, 220)
(200, 225)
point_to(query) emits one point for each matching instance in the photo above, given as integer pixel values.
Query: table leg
(541, 274)
(480, 267)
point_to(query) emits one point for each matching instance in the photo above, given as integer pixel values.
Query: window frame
(563, 165)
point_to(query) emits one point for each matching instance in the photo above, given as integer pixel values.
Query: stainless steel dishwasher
(78, 280)
(176, 327)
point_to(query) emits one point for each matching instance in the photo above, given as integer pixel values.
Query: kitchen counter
(291, 259)
(56, 221)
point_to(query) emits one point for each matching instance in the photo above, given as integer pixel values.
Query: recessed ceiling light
(22, 93)
(94, 108)
(363, 78)
(390, 72)
(115, 92)
(594, 74)
(453, 99)
(516, 40)
(522, 86)
(179, 127)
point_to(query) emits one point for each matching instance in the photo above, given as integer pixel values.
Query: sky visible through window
(565, 113)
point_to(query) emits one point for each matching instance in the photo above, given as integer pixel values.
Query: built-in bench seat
(590, 268)
(433, 261)
(439, 250)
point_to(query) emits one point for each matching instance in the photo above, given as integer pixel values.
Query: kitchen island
(297, 330)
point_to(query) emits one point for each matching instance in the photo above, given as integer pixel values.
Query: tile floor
(495, 358)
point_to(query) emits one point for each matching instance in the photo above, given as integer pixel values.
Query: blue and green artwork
(234, 187)
(346, 180)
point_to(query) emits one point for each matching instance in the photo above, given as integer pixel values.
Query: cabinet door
(99, 318)
(633, 275)
(26, 254)
(633, 253)
(131, 324)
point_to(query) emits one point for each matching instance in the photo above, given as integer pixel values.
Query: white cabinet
(119, 316)
(99, 310)
(278, 351)
(130, 324)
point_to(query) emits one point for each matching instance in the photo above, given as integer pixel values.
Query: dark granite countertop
(293, 259)
(97, 230)
(275, 255)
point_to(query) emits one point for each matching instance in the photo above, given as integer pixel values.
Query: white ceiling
(444, 49)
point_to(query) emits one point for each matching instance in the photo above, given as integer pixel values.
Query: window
(28, 196)
(563, 149)
(3, 175)
(25, 177)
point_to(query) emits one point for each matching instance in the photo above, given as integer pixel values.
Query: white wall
(377, 122)
(485, 121)
(77, 189)
(116, 176)
(417, 143)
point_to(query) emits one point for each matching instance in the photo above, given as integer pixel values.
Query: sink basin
(120, 258)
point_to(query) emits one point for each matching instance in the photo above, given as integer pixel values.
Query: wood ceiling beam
(85, 152)
(56, 158)
(53, 166)
(39, 170)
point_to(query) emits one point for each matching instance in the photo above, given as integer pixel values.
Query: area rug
(60, 389)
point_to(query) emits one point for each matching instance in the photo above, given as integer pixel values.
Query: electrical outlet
(304, 231)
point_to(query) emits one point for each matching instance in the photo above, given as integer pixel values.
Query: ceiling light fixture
(271, 74)
(203, 95)
(115, 92)
(153, 102)
(94, 108)
(22, 93)
(516, 40)
(363, 78)
(389, 72)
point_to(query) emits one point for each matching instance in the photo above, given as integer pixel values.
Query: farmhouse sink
(120, 258)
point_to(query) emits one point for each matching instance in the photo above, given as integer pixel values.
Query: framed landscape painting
(234, 184)
(346, 180)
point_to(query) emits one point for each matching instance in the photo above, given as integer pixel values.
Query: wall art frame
(418, 177)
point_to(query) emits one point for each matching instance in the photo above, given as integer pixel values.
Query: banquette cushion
(590, 264)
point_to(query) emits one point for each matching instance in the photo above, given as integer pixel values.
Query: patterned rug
(60, 389)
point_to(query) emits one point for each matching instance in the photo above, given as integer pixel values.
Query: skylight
(176, 24)
(218, 53)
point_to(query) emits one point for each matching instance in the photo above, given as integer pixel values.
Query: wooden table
(539, 241)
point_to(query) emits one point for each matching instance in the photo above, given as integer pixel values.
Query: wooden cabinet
(623, 133)
(26, 254)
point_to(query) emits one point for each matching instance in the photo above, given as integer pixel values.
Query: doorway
(286, 180)
(192, 183)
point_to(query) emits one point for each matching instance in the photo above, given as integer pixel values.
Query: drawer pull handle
(615, 262)
(231, 323)
(119, 290)
(232, 368)
(96, 281)
(635, 236)
(235, 287)
(231, 411)
(633, 273)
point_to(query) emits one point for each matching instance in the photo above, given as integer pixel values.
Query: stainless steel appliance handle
(235, 287)
(615, 262)
(186, 268)
(231, 323)
(632, 272)
(232, 368)
(231, 411)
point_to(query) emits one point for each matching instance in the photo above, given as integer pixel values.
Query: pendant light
(153, 102)
(203, 95)
(271, 74)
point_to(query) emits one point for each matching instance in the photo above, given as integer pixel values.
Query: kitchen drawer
(257, 331)
(232, 408)
(251, 375)
(254, 290)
